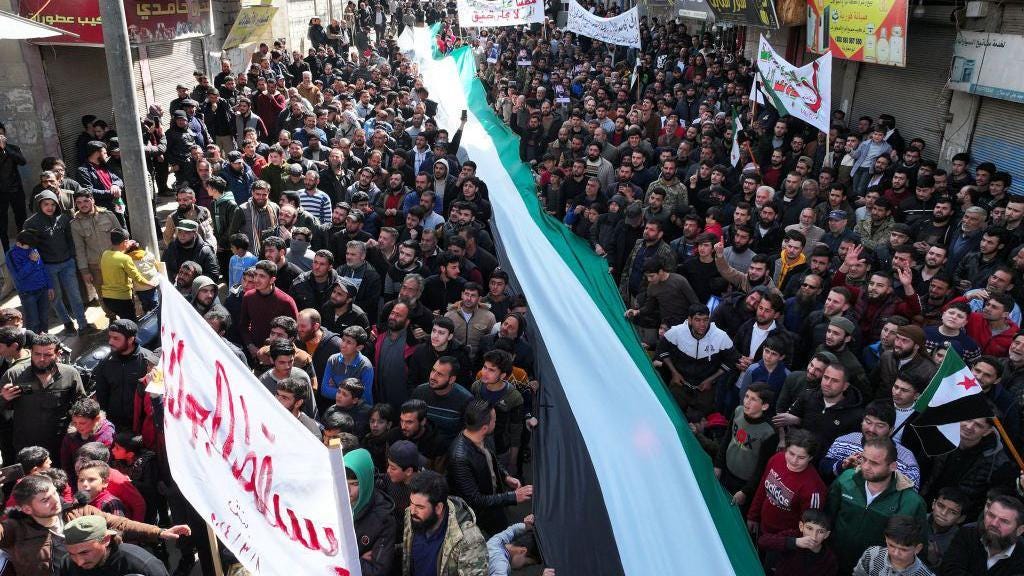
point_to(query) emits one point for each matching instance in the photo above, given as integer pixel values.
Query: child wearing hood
(372, 512)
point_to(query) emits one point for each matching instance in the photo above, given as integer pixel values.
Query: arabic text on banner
(255, 474)
(488, 13)
(251, 25)
(804, 92)
(622, 30)
(148, 22)
(874, 32)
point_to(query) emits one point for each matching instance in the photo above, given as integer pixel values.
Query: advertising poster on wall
(988, 64)
(873, 32)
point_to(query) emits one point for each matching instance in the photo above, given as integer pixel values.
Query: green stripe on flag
(951, 364)
(592, 273)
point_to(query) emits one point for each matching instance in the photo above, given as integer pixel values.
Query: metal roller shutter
(141, 108)
(916, 95)
(999, 137)
(79, 85)
(172, 63)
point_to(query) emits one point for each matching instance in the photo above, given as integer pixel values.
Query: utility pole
(137, 193)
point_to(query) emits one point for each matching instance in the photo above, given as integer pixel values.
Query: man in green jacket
(440, 531)
(860, 502)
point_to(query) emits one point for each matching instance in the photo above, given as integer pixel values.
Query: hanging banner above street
(804, 92)
(757, 13)
(148, 22)
(874, 32)
(621, 30)
(988, 64)
(251, 25)
(489, 13)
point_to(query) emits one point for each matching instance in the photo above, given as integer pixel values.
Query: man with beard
(838, 303)
(90, 230)
(275, 251)
(117, 376)
(40, 394)
(768, 233)
(446, 399)
(976, 267)
(255, 215)
(313, 200)
(445, 287)
(934, 264)
(340, 310)
(908, 355)
(675, 192)
(388, 204)
(336, 177)
(995, 537)
(650, 245)
(738, 253)
(874, 231)
(204, 296)
(95, 174)
(440, 535)
(188, 246)
(774, 168)
(882, 300)
(189, 210)
(312, 289)
(863, 499)
(803, 303)
(392, 349)
(365, 278)
(421, 318)
(799, 382)
(408, 262)
(830, 411)
(756, 275)
(838, 337)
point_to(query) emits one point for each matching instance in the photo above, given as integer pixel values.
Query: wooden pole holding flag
(1009, 443)
(218, 566)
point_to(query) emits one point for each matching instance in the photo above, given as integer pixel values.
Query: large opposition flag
(954, 395)
(804, 92)
(622, 485)
(258, 477)
(737, 127)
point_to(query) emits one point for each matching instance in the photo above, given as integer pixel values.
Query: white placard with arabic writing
(255, 474)
(622, 30)
(488, 13)
(988, 64)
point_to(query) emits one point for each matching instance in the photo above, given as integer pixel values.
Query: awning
(14, 27)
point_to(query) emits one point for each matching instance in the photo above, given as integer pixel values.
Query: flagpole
(218, 566)
(1009, 443)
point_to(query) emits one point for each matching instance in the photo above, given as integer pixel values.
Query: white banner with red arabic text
(257, 476)
(489, 13)
(804, 92)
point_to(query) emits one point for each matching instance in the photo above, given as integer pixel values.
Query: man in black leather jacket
(476, 475)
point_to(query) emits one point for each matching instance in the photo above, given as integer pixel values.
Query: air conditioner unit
(977, 9)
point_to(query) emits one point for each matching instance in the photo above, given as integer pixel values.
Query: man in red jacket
(992, 328)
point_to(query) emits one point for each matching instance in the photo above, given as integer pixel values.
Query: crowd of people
(336, 234)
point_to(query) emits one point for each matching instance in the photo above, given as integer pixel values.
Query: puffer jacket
(464, 550)
(29, 545)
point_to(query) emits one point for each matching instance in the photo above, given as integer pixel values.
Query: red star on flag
(967, 383)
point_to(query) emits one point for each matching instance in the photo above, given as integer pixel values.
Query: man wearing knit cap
(93, 549)
(907, 355)
(838, 335)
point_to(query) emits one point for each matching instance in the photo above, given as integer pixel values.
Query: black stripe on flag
(933, 441)
(965, 408)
